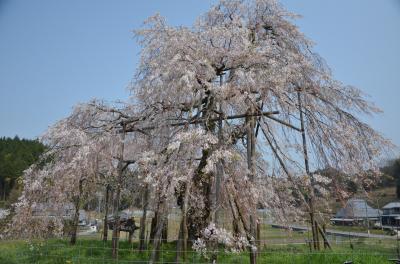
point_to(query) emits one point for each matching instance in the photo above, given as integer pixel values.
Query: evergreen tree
(16, 155)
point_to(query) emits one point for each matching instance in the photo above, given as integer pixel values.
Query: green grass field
(95, 251)
(279, 247)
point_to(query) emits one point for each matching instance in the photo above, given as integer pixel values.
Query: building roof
(392, 205)
(357, 208)
(342, 219)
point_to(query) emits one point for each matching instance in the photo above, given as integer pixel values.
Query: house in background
(356, 212)
(391, 214)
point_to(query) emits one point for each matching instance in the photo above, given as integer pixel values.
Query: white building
(391, 214)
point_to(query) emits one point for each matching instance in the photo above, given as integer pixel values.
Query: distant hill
(16, 155)
(392, 169)
(386, 190)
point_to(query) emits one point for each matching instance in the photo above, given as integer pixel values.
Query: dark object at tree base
(126, 225)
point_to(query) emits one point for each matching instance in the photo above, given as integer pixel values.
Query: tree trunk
(106, 204)
(235, 218)
(75, 221)
(153, 226)
(179, 243)
(164, 236)
(185, 234)
(145, 202)
(246, 227)
(158, 232)
(235, 226)
(160, 225)
(116, 228)
(185, 237)
(258, 236)
(130, 236)
(198, 220)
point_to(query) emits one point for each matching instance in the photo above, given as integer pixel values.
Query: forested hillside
(16, 155)
(392, 168)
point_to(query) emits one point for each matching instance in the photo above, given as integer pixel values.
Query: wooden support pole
(251, 143)
(145, 203)
(120, 170)
(314, 228)
(290, 177)
(106, 204)
(116, 225)
(323, 234)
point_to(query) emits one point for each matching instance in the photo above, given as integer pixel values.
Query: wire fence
(277, 244)
(88, 250)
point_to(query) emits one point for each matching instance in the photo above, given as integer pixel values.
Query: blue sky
(54, 54)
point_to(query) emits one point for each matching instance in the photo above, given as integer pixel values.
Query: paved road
(337, 232)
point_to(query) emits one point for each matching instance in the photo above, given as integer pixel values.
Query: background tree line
(392, 171)
(16, 155)
(390, 178)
